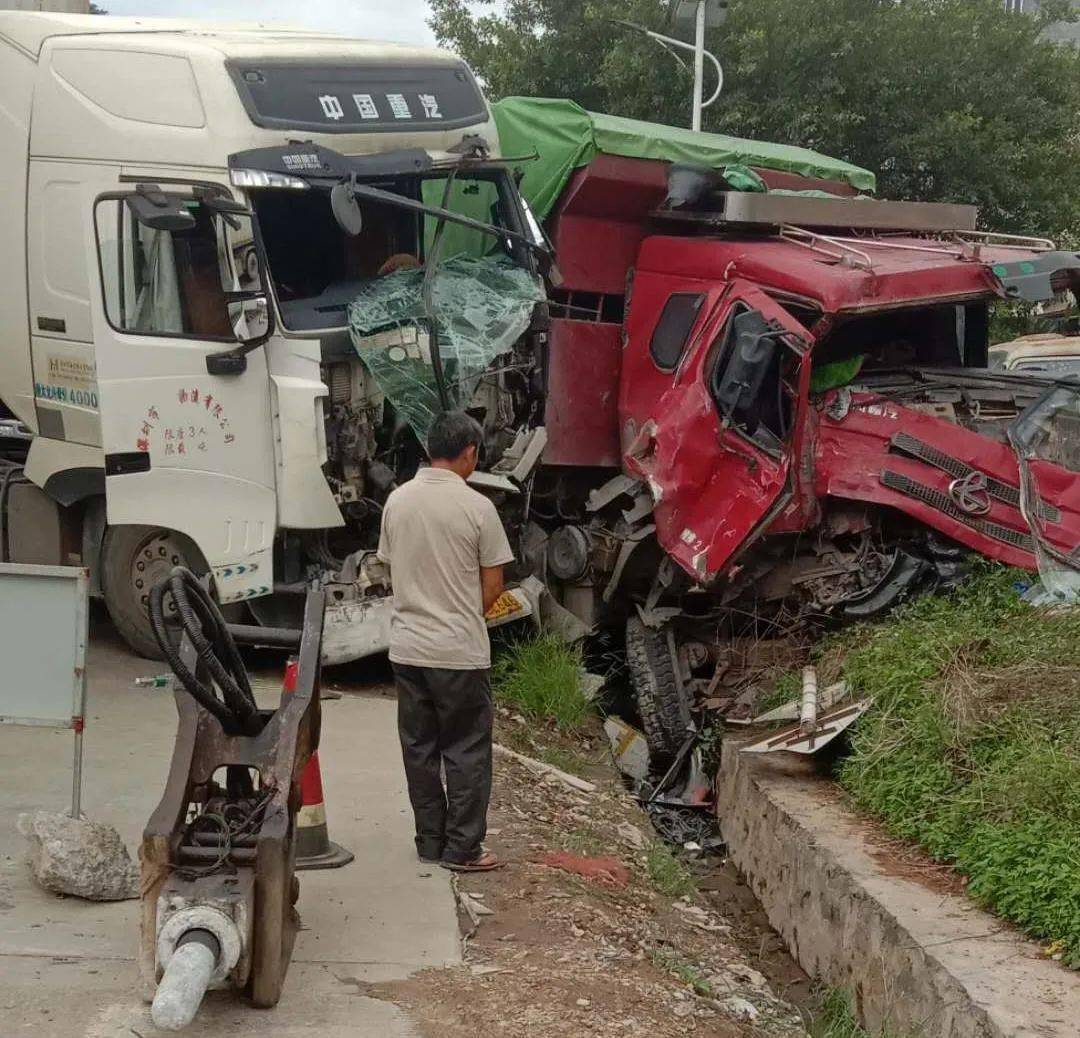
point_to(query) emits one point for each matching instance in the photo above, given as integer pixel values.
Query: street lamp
(701, 14)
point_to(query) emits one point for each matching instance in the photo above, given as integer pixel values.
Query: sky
(398, 20)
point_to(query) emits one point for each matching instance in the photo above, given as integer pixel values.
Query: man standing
(446, 549)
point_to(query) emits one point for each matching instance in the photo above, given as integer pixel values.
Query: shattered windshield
(318, 269)
(481, 306)
(1046, 438)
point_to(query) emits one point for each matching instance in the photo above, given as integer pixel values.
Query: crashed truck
(785, 383)
(257, 262)
(188, 211)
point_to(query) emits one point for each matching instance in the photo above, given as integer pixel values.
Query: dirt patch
(549, 953)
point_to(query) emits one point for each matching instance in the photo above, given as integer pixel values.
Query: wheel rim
(151, 564)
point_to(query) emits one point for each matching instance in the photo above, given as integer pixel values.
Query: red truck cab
(797, 381)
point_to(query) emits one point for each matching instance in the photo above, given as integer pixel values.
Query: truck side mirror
(745, 362)
(159, 211)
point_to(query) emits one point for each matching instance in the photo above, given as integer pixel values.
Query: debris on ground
(562, 954)
(628, 747)
(602, 868)
(79, 858)
(540, 768)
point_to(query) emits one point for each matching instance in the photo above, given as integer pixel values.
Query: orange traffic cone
(314, 848)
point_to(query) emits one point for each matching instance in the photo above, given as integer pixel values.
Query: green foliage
(586, 841)
(668, 875)
(670, 961)
(947, 100)
(836, 1019)
(973, 746)
(541, 677)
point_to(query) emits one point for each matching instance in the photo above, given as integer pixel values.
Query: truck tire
(665, 713)
(133, 560)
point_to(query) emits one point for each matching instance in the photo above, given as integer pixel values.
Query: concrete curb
(915, 959)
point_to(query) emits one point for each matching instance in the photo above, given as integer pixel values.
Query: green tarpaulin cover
(567, 137)
(482, 307)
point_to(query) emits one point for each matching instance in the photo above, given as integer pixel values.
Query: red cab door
(711, 412)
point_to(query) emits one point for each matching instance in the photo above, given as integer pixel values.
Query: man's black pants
(444, 718)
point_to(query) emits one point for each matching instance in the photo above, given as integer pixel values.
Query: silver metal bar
(883, 243)
(699, 63)
(842, 252)
(1006, 241)
(76, 776)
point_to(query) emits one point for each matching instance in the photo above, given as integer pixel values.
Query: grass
(587, 842)
(566, 760)
(973, 747)
(836, 1019)
(668, 875)
(689, 973)
(541, 677)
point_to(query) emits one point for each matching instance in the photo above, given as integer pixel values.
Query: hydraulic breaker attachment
(218, 855)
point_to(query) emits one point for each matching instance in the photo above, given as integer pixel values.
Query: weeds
(586, 841)
(836, 1019)
(668, 960)
(566, 760)
(541, 677)
(668, 875)
(973, 746)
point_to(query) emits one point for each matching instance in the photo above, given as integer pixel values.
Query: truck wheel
(665, 713)
(133, 560)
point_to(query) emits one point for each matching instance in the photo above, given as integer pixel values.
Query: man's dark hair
(451, 433)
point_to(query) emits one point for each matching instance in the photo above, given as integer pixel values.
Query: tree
(946, 100)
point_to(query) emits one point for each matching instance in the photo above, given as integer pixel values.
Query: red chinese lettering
(142, 444)
(195, 396)
(183, 395)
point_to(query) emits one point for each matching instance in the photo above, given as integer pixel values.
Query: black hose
(228, 695)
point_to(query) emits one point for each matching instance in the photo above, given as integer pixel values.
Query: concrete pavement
(67, 967)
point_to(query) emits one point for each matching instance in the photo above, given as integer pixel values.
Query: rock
(631, 835)
(584, 1003)
(683, 1009)
(740, 1008)
(747, 973)
(80, 858)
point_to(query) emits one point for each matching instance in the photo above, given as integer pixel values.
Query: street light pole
(704, 14)
(699, 63)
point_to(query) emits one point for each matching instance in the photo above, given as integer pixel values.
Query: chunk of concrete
(80, 858)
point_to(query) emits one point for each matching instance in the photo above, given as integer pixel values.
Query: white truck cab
(188, 210)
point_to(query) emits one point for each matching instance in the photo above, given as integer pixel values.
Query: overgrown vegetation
(945, 100)
(541, 677)
(973, 746)
(668, 875)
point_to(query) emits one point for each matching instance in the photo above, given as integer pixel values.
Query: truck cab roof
(857, 275)
(225, 88)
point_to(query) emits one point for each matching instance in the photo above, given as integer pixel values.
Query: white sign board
(43, 634)
(42, 644)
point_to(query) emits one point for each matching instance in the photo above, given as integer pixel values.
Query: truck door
(187, 437)
(710, 407)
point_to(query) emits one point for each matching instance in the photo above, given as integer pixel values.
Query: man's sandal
(487, 862)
